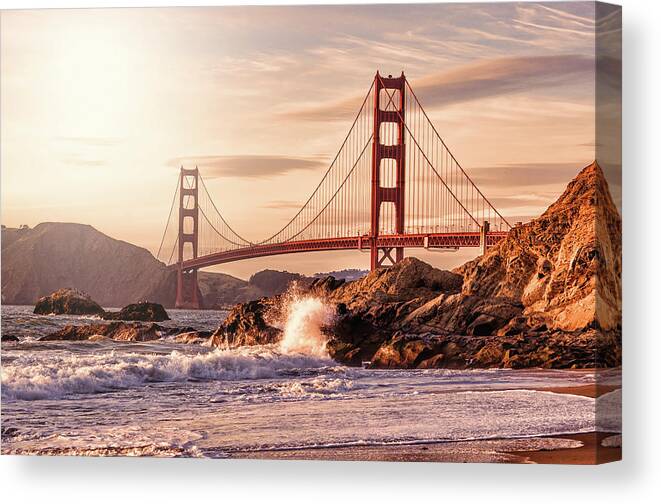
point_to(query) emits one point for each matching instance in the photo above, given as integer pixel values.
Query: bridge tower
(385, 114)
(187, 288)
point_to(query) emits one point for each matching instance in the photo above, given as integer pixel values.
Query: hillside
(52, 255)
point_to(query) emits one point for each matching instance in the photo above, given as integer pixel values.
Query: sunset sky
(101, 107)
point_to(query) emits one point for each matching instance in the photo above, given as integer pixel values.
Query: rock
(558, 349)
(404, 352)
(118, 331)
(144, 311)
(9, 338)
(193, 337)
(247, 324)
(325, 284)
(136, 332)
(95, 338)
(410, 279)
(69, 302)
(565, 266)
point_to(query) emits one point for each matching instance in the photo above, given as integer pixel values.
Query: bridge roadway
(427, 241)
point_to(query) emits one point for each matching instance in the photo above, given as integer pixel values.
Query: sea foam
(55, 376)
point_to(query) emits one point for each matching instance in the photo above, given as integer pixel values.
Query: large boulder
(144, 312)
(193, 337)
(251, 323)
(409, 280)
(67, 302)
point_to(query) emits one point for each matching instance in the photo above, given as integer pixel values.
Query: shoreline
(484, 451)
(493, 450)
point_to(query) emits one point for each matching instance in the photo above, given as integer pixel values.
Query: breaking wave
(306, 317)
(57, 376)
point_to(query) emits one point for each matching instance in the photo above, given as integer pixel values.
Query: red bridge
(393, 184)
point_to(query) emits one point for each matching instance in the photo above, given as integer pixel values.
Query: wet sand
(577, 449)
(594, 390)
(590, 453)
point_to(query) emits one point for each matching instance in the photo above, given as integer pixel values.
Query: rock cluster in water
(74, 302)
(548, 295)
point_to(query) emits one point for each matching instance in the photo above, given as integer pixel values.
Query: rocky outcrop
(118, 331)
(556, 349)
(548, 295)
(145, 312)
(565, 266)
(411, 282)
(251, 323)
(67, 302)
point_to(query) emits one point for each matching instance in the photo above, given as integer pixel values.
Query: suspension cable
(452, 155)
(327, 171)
(167, 223)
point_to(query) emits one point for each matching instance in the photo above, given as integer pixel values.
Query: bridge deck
(429, 241)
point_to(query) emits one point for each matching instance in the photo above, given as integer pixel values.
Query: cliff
(565, 266)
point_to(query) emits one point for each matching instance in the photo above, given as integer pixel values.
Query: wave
(318, 388)
(33, 377)
(128, 441)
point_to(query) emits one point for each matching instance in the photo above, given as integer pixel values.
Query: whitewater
(168, 399)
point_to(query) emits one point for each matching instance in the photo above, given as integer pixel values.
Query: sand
(577, 449)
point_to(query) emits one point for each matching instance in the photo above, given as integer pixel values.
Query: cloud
(473, 81)
(91, 141)
(531, 200)
(525, 174)
(283, 205)
(81, 161)
(249, 166)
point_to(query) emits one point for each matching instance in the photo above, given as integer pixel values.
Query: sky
(99, 108)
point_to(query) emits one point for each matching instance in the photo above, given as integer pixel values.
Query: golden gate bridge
(393, 184)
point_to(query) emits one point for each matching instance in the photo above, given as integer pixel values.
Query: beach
(165, 398)
(524, 450)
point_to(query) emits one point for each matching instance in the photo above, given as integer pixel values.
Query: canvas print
(360, 232)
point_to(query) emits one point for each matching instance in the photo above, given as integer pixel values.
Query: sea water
(168, 399)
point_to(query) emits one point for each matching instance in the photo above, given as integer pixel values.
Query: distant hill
(52, 255)
(271, 281)
(348, 275)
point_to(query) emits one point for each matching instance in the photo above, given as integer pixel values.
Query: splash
(306, 316)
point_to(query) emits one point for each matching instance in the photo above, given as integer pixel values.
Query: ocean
(167, 399)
